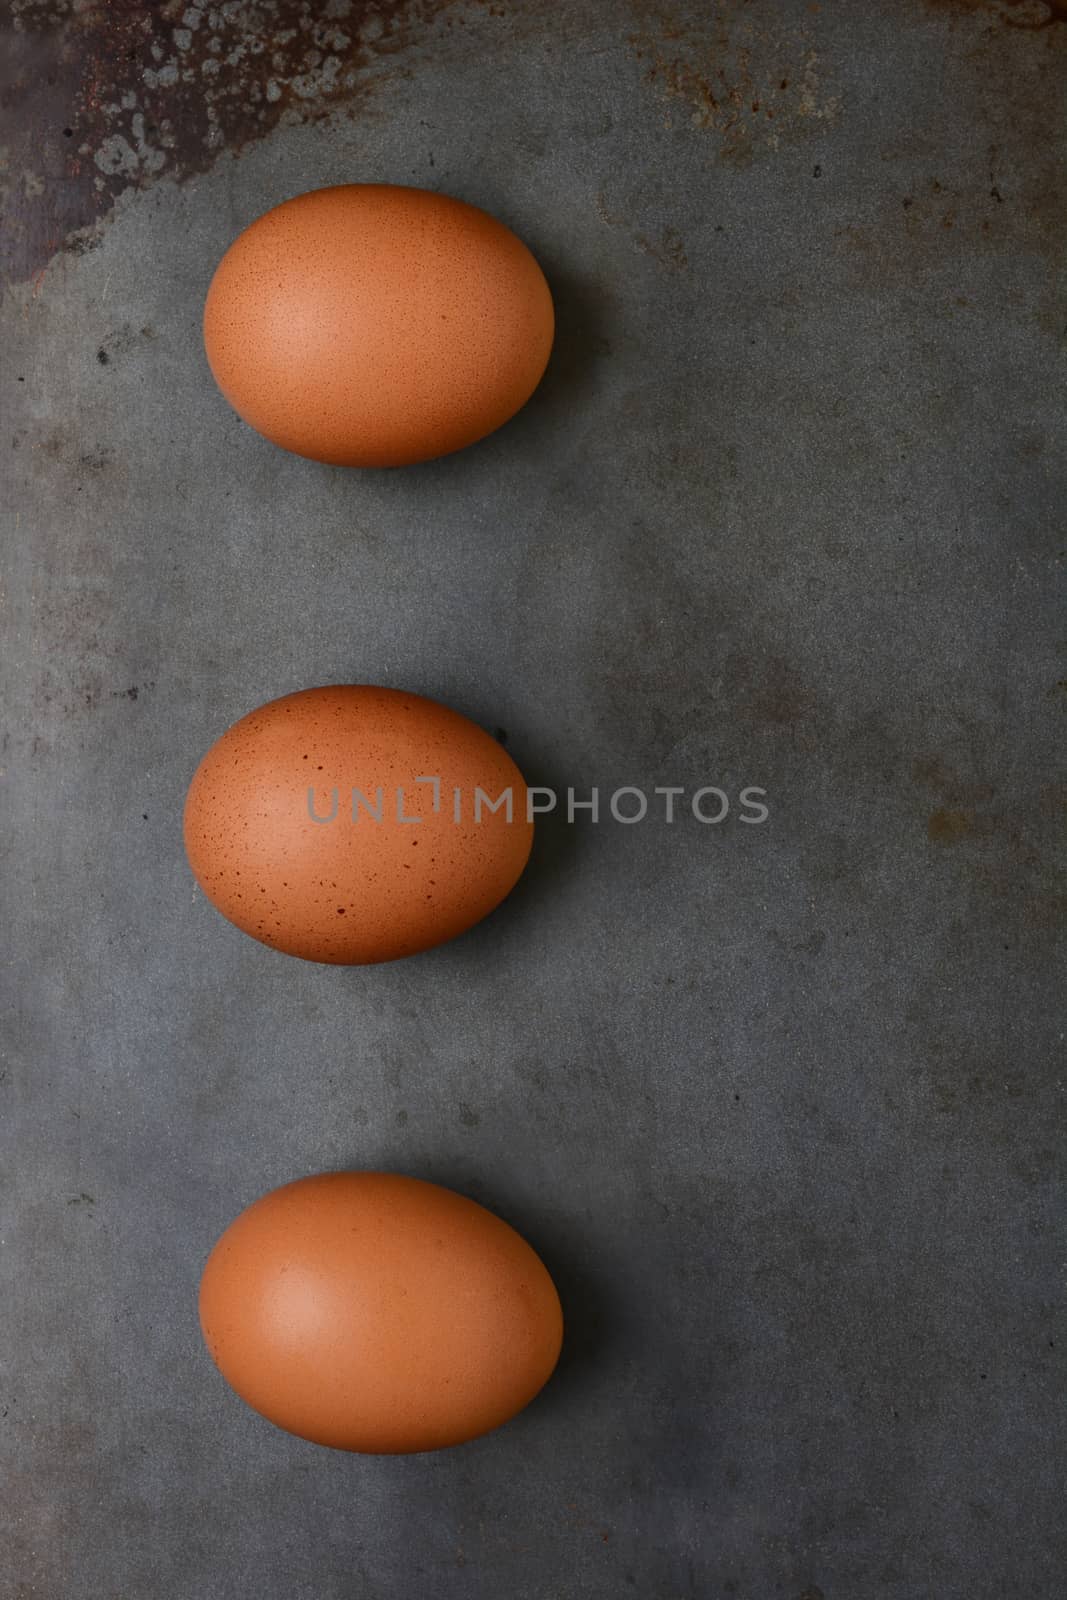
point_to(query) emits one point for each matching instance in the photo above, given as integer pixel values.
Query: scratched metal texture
(781, 1106)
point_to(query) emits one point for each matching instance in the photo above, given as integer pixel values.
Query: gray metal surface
(781, 1106)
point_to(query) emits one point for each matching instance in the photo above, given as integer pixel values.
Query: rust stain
(948, 827)
(668, 249)
(1014, 853)
(102, 96)
(1007, 193)
(750, 76)
(1052, 799)
(775, 697)
(966, 808)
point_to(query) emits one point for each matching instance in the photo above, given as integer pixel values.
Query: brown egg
(354, 824)
(371, 326)
(374, 1312)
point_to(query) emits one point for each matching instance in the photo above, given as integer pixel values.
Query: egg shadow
(582, 342)
(590, 1319)
(555, 849)
(556, 846)
(591, 1314)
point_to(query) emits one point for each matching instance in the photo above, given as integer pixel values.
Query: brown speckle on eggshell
(352, 889)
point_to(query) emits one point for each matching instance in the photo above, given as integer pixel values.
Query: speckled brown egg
(370, 325)
(356, 824)
(378, 1313)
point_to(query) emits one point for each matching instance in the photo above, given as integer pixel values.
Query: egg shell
(351, 889)
(371, 325)
(379, 1313)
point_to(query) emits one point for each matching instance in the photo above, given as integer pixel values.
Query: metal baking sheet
(780, 1105)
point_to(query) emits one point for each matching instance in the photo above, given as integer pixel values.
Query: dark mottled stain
(655, 684)
(935, 773)
(812, 1592)
(962, 1075)
(1031, 15)
(812, 945)
(99, 98)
